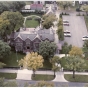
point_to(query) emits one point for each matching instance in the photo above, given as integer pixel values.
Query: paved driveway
(77, 28)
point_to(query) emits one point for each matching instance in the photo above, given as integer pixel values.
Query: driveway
(77, 28)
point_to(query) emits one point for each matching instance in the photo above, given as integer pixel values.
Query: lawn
(86, 21)
(31, 23)
(46, 77)
(78, 78)
(11, 60)
(8, 75)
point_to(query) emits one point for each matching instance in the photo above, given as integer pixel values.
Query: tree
(3, 28)
(47, 49)
(85, 48)
(4, 49)
(48, 20)
(75, 63)
(55, 60)
(76, 51)
(85, 8)
(65, 4)
(66, 48)
(17, 5)
(60, 33)
(32, 61)
(15, 19)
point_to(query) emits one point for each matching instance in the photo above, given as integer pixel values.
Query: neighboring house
(28, 39)
(27, 7)
(38, 7)
(39, 2)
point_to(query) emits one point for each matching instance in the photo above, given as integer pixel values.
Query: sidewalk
(41, 72)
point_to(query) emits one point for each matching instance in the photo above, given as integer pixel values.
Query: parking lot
(77, 27)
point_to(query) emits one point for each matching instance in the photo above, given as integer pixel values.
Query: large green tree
(48, 20)
(75, 63)
(10, 21)
(32, 61)
(47, 49)
(4, 49)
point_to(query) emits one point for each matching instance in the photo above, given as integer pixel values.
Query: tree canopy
(10, 21)
(15, 19)
(4, 49)
(75, 63)
(32, 61)
(65, 4)
(76, 51)
(11, 5)
(47, 49)
(48, 20)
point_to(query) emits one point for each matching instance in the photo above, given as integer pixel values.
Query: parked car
(85, 37)
(66, 24)
(67, 33)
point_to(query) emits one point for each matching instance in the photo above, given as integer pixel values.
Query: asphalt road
(77, 28)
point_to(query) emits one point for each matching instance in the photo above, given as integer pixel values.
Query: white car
(66, 24)
(67, 33)
(85, 37)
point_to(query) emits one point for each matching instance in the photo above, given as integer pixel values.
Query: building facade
(28, 40)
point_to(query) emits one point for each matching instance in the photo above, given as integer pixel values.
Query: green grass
(43, 77)
(11, 60)
(47, 64)
(78, 78)
(86, 21)
(31, 23)
(8, 75)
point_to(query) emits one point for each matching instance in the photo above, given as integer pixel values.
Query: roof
(40, 34)
(38, 5)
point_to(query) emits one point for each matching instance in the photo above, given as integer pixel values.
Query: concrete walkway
(60, 77)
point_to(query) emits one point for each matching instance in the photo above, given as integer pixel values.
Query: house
(39, 2)
(28, 39)
(38, 7)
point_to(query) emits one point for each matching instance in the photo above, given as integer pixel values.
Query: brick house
(28, 39)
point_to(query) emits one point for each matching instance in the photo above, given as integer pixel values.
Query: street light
(16, 55)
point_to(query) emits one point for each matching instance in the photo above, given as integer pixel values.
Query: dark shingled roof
(43, 34)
